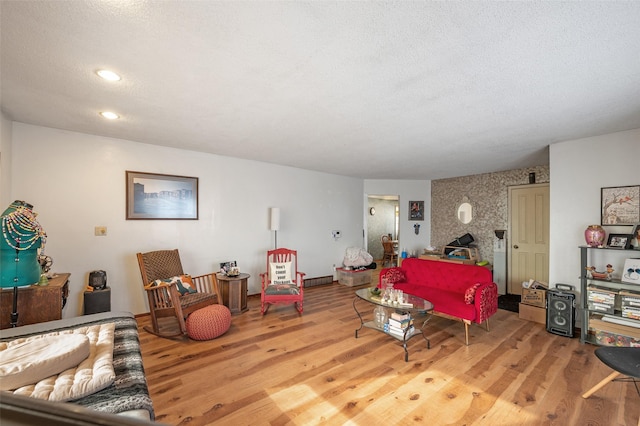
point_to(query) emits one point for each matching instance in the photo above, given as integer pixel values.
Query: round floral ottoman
(208, 323)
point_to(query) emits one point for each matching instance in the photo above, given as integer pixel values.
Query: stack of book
(399, 323)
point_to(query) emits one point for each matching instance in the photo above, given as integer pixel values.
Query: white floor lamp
(275, 222)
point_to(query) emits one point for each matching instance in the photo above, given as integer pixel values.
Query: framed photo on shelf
(631, 271)
(621, 241)
(156, 196)
(636, 237)
(620, 205)
(416, 210)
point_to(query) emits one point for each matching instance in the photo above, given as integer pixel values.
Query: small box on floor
(534, 296)
(532, 313)
(352, 278)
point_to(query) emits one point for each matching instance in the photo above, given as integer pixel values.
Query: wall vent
(312, 282)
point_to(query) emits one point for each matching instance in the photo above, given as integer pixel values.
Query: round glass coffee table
(413, 310)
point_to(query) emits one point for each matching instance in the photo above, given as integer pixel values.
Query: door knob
(515, 246)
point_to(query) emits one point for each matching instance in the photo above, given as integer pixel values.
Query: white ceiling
(380, 90)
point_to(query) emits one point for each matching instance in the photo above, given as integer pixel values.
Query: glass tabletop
(413, 303)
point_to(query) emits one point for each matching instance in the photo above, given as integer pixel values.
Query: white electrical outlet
(336, 234)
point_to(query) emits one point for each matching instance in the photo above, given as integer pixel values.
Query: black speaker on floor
(561, 310)
(97, 301)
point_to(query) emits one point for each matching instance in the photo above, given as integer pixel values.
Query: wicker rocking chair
(165, 300)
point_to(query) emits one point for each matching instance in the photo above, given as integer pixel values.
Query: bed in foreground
(127, 394)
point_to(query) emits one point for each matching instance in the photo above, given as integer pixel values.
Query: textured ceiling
(380, 90)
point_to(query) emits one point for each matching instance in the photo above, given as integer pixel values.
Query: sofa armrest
(486, 301)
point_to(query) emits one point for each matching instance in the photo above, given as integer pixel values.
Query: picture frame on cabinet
(619, 241)
(620, 205)
(226, 268)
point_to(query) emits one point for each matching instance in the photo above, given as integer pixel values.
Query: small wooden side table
(234, 292)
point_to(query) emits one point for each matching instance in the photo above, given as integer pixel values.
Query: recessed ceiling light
(108, 75)
(109, 115)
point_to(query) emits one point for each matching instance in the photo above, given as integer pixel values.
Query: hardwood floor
(290, 369)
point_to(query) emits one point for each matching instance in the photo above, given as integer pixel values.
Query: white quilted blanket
(91, 375)
(356, 256)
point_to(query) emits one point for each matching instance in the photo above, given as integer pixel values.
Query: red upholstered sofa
(460, 291)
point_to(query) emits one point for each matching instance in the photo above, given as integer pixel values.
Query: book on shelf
(401, 332)
(596, 306)
(621, 321)
(631, 312)
(392, 329)
(400, 324)
(389, 326)
(400, 316)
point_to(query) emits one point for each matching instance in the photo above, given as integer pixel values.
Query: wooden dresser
(36, 303)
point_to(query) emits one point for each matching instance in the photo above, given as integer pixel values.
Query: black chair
(622, 360)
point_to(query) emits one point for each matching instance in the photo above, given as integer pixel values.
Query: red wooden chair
(282, 283)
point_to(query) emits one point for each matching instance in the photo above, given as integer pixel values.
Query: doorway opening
(383, 218)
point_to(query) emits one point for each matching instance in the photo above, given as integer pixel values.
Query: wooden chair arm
(207, 283)
(161, 296)
(264, 278)
(154, 287)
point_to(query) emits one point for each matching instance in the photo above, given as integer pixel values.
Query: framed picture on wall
(416, 210)
(620, 205)
(156, 196)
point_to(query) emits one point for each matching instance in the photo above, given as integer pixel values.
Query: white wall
(578, 170)
(77, 181)
(5, 161)
(407, 190)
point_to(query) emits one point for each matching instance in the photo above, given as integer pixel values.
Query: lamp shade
(274, 225)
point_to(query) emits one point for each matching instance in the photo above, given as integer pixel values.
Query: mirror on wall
(465, 211)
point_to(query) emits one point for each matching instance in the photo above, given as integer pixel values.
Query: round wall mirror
(465, 212)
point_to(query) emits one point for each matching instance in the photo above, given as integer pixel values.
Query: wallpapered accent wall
(488, 193)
